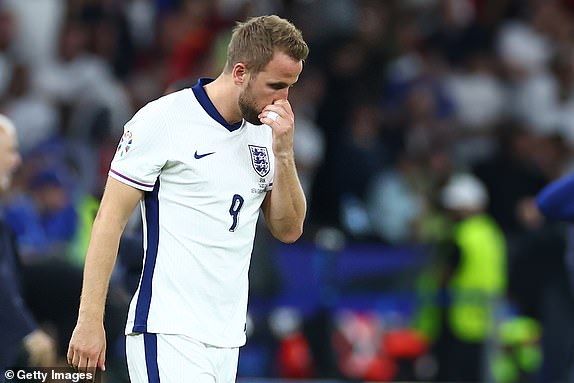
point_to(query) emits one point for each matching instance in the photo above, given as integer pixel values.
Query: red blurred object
(404, 344)
(294, 358)
(187, 53)
(381, 369)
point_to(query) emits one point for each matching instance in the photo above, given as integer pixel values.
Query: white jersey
(204, 182)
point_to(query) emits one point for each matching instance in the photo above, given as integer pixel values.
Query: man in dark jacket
(19, 334)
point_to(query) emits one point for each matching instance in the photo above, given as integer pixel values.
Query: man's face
(268, 86)
(9, 158)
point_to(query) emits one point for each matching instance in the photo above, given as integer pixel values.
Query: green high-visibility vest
(480, 278)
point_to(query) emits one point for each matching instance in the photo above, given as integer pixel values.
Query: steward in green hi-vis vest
(463, 283)
(478, 280)
(465, 294)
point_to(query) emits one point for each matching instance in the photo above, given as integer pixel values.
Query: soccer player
(202, 162)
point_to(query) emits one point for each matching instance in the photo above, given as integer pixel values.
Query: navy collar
(208, 106)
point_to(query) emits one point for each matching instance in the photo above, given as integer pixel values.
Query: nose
(282, 94)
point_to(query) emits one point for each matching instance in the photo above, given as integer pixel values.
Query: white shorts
(154, 358)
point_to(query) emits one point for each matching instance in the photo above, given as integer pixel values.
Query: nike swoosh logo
(198, 156)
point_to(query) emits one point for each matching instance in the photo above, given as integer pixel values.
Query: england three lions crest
(260, 160)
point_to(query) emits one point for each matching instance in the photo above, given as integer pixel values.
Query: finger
(273, 110)
(272, 115)
(285, 114)
(70, 355)
(284, 104)
(268, 121)
(92, 363)
(281, 109)
(91, 368)
(76, 360)
(102, 360)
(82, 363)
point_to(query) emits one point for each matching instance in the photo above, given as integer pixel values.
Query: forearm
(100, 260)
(286, 208)
(88, 343)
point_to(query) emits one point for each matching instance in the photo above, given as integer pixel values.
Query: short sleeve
(142, 151)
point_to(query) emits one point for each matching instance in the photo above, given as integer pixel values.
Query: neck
(223, 94)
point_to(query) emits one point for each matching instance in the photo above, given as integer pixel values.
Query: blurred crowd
(397, 98)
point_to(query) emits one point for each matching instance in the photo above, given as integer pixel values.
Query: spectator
(44, 219)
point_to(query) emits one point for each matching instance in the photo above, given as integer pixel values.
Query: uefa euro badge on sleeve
(260, 159)
(125, 143)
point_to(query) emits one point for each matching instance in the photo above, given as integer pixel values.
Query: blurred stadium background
(396, 97)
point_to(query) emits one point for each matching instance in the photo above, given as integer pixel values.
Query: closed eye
(279, 85)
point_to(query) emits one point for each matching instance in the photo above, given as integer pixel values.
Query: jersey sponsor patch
(125, 143)
(260, 160)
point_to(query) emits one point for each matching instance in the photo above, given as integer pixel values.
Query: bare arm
(285, 206)
(87, 347)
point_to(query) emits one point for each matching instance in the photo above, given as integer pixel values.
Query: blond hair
(254, 42)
